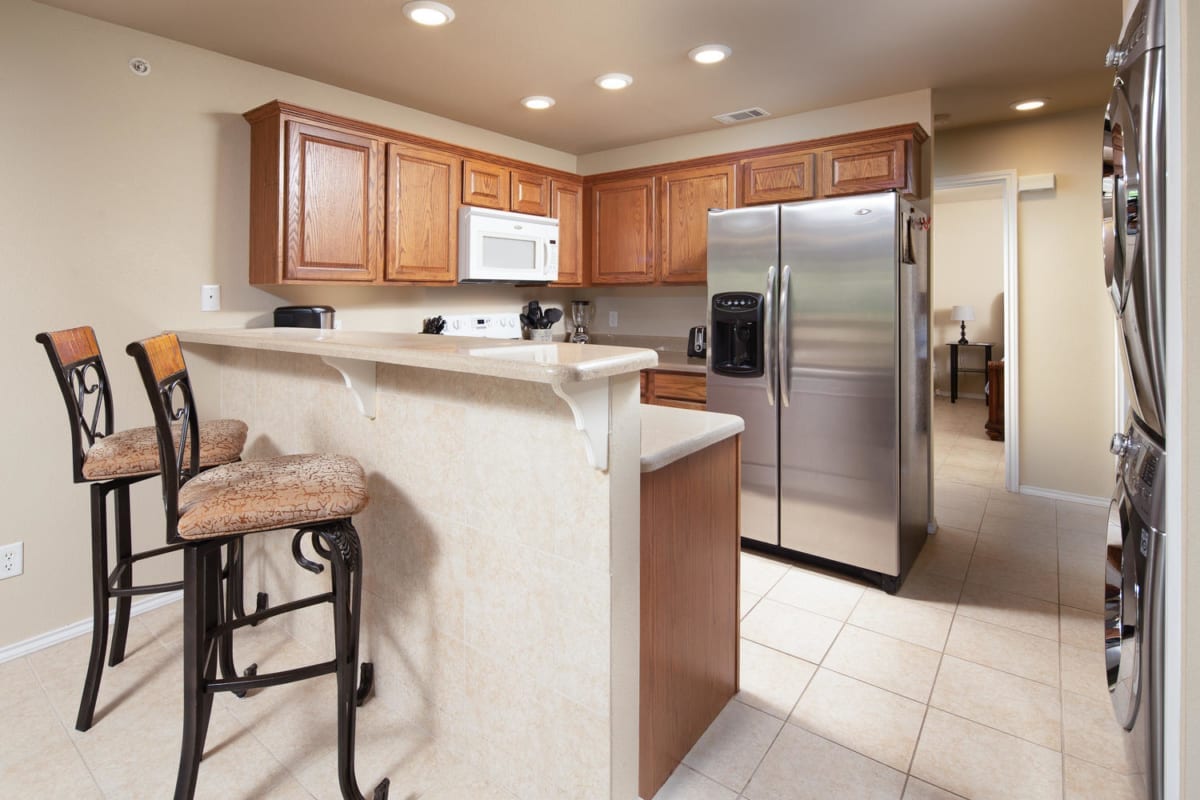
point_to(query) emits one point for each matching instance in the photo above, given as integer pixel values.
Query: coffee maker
(582, 314)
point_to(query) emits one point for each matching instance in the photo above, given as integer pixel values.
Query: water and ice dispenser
(736, 334)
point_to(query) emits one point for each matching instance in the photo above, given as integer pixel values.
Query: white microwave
(506, 247)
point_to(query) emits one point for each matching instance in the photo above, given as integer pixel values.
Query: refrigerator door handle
(769, 355)
(783, 351)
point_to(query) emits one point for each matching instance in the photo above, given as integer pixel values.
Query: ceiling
(788, 56)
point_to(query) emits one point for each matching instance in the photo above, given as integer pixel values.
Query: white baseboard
(84, 626)
(1054, 494)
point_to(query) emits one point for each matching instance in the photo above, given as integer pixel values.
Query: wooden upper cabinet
(422, 224)
(485, 184)
(567, 208)
(778, 179)
(530, 193)
(867, 167)
(684, 198)
(334, 214)
(622, 230)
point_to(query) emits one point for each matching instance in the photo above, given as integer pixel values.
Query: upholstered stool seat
(269, 494)
(135, 451)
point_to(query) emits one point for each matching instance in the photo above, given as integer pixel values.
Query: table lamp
(963, 314)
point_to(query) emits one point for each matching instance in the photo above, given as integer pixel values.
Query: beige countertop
(681, 362)
(669, 434)
(553, 363)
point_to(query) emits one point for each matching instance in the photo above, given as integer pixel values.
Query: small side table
(955, 369)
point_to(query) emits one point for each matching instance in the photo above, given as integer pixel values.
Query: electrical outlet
(12, 561)
(612, 319)
(210, 297)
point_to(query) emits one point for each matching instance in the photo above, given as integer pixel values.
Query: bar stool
(110, 461)
(316, 495)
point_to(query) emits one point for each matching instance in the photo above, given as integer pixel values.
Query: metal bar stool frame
(208, 632)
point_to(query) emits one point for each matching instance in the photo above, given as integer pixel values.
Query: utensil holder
(541, 335)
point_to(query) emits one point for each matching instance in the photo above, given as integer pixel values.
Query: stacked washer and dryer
(1134, 255)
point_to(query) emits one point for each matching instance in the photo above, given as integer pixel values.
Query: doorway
(975, 269)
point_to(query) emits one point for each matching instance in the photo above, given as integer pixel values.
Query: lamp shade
(962, 314)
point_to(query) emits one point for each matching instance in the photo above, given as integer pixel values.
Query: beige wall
(121, 196)
(968, 269)
(1066, 322)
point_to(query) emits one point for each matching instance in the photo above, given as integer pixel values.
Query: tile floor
(983, 678)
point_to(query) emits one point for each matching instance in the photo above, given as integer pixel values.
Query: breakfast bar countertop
(516, 359)
(670, 434)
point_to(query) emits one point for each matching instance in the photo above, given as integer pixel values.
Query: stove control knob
(1120, 445)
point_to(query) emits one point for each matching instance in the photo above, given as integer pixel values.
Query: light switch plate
(612, 319)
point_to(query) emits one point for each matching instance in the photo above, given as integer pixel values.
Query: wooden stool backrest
(75, 357)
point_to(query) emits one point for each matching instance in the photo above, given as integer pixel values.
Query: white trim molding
(1055, 494)
(1007, 181)
(83, 627)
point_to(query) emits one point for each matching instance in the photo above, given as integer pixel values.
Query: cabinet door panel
(623, 225)
(334, 205)
(568, 209)
(684, 199)
(485, 184)
(680, 386)
(778, 179)
(422, 229)
(530, 193)
(869, 167)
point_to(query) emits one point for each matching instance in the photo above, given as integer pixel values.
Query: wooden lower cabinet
(690, 542)
(675, 389)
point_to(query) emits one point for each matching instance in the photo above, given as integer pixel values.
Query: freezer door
(743, 256)
(838, 362)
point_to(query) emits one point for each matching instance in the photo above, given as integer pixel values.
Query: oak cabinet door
(530, 193)
(422, 225)
(778, 179)
(868, 167)
(567, 208)
(485, 184)
(334, 205)
(623, 223)
(684, 198)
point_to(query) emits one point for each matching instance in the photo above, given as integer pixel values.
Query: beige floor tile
(771, 681)
(1082, 517)
(55, 770)
(1025, 576)
(1083, 670)
(1027, 508)
(1081, 628)
(1018, 530)
(1083, 592)
(687, 784)
(967, 519)
(942, 557)
(803, 766)
(746, 601)
(917, 789)
(1004, 649)
(898, 666)
(1084, 545)
(794, 631)
(932, 590)
(1042, 551)
(976, 761)
(948, 534)
(19, 681)
(1091, 733)
(759, 574)
(910, 620)
(731, 748)
(1015, 705)
(1085, 781)
(865, 718)
(1017, 611)
(828, 597)
(960, 495)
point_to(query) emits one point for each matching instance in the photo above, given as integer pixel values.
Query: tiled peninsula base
(501, 597)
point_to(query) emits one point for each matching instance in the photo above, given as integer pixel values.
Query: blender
(582, 313)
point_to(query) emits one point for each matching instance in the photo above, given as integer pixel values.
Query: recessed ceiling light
(614, 80)
(1029, 105)
(709, 53)
(427, 12)
(537, 102)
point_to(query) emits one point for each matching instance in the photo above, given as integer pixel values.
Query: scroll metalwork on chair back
(75, 357)
(164, 374)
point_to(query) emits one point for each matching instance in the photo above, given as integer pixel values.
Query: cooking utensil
(552, 316)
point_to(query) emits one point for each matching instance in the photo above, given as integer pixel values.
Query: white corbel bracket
(359, 376)
(588, 401)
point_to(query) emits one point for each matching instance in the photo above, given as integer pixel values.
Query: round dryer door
(1123, 608)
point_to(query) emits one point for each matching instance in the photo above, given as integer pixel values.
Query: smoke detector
(742, 116)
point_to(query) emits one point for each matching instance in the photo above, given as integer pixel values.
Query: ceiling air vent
(742, 116)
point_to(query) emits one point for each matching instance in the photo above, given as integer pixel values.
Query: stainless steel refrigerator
(819, 340)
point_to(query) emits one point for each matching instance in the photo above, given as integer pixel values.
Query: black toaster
(304, 317)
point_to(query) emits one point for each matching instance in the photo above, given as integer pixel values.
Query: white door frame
(1007, 181)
